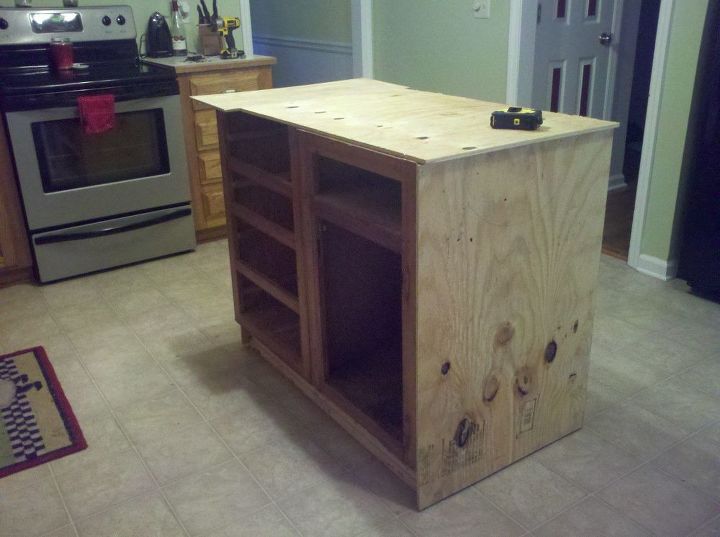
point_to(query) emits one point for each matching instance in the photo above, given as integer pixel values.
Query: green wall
(438, 45)
(668, 173)
(321, 20)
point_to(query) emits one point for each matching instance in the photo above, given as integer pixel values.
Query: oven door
(67, 177)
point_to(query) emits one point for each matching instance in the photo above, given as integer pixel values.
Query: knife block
(210, 42)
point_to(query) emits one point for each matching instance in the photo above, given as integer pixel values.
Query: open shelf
(265, 210)
(270, 321)
(260, 145)
(361, 285)
(361, 201)
(267, 262)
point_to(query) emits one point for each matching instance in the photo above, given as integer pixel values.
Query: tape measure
(514, 117)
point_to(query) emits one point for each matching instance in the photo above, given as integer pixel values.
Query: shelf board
(268, 285)
(255, 134)
(270, 228)
(364, 212)
(277, 182)
(276, 327)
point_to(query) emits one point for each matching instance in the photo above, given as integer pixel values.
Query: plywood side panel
(508, 254)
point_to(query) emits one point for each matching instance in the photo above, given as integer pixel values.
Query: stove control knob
(107, 21)
(120, 20)
(3, 24)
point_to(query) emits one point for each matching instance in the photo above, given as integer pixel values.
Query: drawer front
(209, 167)
(213, 204)
(206, 133)
(224, 82)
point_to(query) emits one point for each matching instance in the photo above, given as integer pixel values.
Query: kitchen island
(425, 279)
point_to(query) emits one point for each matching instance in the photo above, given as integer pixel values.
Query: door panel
(571, 62)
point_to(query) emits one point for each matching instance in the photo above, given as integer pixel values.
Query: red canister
(61, 53)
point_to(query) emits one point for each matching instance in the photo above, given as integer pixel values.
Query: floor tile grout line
(132, 444)
(499, 508)
(64, 503)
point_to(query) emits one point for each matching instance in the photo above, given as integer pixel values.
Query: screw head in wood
(445, 368)
(550, 351)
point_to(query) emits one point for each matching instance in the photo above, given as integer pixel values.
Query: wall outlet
(481, 9)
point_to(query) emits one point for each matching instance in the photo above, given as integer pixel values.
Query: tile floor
(190, 435)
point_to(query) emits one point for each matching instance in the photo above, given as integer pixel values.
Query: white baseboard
(656, 267)
(305, 61)
(616, 182)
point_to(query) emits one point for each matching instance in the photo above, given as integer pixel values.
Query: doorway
(595, 58)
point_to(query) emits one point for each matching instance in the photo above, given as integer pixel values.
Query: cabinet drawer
(206, 133)
(213, 205)
(224, 82)
(209, 167)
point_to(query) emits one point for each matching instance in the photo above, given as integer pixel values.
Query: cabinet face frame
(310, 148)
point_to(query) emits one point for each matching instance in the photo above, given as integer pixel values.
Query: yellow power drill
(226, 26)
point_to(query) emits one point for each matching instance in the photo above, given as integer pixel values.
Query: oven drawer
(225, 82)
(115, 242)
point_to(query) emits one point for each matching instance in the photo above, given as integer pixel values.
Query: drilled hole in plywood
(321, 112)
(294, 106)
(422, 138)
(379, 126)
(469, 148)
(338, 118)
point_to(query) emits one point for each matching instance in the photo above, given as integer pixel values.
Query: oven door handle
(66, 237)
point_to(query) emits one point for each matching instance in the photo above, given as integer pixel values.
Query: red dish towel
(97, 113)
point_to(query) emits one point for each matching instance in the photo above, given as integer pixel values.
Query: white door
(572, 51)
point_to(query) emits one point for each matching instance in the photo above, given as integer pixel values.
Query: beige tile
(615, 334)
(216, 498)
(78, 317)
(696, 462)
(204, 365)
(29, 331)
(181, 452)
(529, 492)
(70, 293)
(711, 433)
(84, 398)
(221, 332)
(110, 479)
(121, 281)
(103, 344)
(711, 529)
(333, 439)
(393, 528)
(636, 430)
(130, 378)
(13, 483)
(375, 477)
(170, 269)
(463, 515)
(704, 376)
(65, 531)
(134, 303)
(591, 518)
(600, 397)
(621, 371)
(586, 460)
(146, 516)
(681, 403)
(220, 396)
(156, 417)
(268, 522)
(32, 511)
(256, 424)
(335, 509)
(660, 503)
(286, 469)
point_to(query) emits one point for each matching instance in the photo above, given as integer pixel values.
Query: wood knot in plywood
(490, 390)
(504, 334)
(523, 381)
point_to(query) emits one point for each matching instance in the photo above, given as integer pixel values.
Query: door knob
(605, 38)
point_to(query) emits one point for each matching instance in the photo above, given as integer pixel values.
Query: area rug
(37, 424)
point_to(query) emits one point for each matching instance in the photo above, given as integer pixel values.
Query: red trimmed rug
(37, 424)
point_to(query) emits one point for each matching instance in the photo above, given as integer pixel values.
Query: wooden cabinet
(426, 280)
(200, 125)
(15, 258)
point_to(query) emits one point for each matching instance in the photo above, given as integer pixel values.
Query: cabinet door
(359, 208)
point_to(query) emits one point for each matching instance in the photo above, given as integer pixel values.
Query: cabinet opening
(270, 321)
(361, 286)
(265, 203)
(365, 195)
(260, 143)
(266, 257)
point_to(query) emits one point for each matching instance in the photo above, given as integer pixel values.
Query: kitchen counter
(211, 63)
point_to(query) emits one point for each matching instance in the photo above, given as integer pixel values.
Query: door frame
(362, 38)
(521, 54)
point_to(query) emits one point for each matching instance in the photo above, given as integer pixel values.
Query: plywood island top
(415, 125)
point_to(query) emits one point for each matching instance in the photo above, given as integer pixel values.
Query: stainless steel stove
(93, 201)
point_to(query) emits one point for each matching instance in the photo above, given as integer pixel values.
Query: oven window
(69, 158)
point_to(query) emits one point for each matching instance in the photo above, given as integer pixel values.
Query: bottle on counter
(177, 31)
